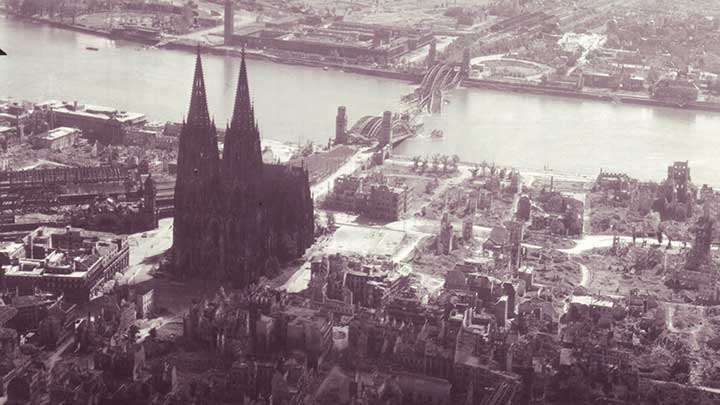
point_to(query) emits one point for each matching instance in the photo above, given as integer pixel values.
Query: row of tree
(436, 163)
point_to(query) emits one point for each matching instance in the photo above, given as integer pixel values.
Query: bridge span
(370, 128)
(439, 78)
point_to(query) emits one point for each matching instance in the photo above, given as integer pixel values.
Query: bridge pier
(465, 67)
(386, 130)
(341, 126)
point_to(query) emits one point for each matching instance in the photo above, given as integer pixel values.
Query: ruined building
(699, 272)
(341, 126)
(677, 194)
(110, 215)
(699, 256)
(235, 217)
(372, 196)
(446, 237)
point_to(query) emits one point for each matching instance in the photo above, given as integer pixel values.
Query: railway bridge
(439, 78)
(371, 128)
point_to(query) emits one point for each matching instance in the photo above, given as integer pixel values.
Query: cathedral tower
(242, 174)
(197, 227)
(242, 156)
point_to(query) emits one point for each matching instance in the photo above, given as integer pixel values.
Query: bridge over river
(439, 78)
(370, 128)
(395, 128)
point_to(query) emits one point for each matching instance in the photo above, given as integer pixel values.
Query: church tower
(197, 228)
(242, 156)
(242, 174)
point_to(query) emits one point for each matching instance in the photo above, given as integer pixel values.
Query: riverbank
(548, 90)
(259, 55)
(57, 24)
(588, 95)
(223, 50)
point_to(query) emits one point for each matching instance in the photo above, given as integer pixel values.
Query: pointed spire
(243, 110)
(242, 157)
(198, 112)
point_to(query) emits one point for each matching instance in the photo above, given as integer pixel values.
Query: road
(145, 245)
(55, 356)
(323, 187)
(585, 275)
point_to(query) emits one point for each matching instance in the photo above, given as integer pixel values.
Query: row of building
(57, 124)
(340, 40)
(67, 261)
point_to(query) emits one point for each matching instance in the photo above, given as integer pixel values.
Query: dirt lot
(455, 199)
(539, 238)
(564, 276)
(608, 219)
(323, 164)
(614, 275)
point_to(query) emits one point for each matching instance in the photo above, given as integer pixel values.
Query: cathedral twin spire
(242, 157)
(222, 223)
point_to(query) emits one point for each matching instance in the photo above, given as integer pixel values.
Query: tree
(474, 171)
(483, 166)
(444, 161)
(454, 162)
(416, 162)
(330, 217)
(435, 162)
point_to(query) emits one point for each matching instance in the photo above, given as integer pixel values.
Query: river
(299, 103)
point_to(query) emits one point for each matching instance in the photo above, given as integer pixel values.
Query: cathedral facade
(236, 218)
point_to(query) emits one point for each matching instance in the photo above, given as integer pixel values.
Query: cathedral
(236, 218)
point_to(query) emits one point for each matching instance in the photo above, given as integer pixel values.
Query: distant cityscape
(200, 262)
(593, 49)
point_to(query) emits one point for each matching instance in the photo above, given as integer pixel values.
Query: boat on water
(145, 35)
(91, 48)
(325, 68)
(436, 133)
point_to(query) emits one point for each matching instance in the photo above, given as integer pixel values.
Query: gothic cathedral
(236, 218)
